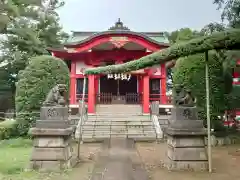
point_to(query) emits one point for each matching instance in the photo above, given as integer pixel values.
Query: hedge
(229, 39)
(7, 129)
(190, 71)
(233, 98)
(35, 81)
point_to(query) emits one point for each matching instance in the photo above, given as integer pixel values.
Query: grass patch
(14, 159)
(14, 155)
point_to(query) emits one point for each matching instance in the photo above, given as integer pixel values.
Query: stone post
(52, 140)
(186, 147)
(154, 108)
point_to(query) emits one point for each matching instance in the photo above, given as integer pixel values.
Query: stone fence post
(154, 108)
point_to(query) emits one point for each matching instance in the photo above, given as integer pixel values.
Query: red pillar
(145, 94)
(91, 94)
(73, 83)
(163, 85)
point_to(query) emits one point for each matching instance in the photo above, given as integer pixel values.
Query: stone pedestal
(52, 149)
(186, 146)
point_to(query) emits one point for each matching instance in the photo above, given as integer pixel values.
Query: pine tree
(29, 34)
(27, 28)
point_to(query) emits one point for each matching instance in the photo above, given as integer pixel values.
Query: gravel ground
(225, 163)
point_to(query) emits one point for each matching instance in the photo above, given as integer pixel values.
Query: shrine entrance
(114, 90)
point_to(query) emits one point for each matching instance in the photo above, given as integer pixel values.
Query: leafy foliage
(229, 39)
(8, 10)
(233, 98)
(42, 74)
(7, 129)
(28, 32)
(5, 92)
(230, 11)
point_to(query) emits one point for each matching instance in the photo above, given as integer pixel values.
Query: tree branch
(229, 39)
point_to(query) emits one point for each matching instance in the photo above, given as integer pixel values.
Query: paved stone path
(119, 160)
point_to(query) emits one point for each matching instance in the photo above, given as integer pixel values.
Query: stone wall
(222, 141)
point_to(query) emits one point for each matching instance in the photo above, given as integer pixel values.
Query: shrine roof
(79, 37)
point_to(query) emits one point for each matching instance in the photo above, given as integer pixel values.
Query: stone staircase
(163, 121)
(120, 121)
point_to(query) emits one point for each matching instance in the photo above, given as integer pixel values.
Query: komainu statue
(183, 97)
(56, 96)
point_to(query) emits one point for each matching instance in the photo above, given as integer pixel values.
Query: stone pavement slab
(119, 161)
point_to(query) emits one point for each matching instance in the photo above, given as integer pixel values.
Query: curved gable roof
(81, 37)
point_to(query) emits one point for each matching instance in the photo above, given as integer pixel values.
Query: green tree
(172, 36)
(230, 11)
(190, 71)
(32, 32)
(8, 11)
(5, 92)
(35, 81)
(29, 32)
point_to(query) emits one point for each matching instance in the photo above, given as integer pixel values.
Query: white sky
(138, 15)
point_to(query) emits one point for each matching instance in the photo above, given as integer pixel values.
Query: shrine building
(116, 45)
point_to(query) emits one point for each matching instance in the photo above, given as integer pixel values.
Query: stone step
(102, 119)
(93, 123)
(116, 114)
(117, 106)
(117, 134)
(118, 119)
(164, 117)
(120, 134)
(118, 126)
(120, 122)
(111, 130)
(119, 110)
(113, 114)
(103, 137)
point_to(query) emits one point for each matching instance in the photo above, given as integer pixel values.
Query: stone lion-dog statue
(56, 96)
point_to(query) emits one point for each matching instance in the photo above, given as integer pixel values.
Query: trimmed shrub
(7, 129)
(233, 98)
(190, 71)
(35, 81)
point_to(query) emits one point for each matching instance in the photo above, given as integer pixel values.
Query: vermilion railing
(129, 98)
(109, 98)
(159, 97)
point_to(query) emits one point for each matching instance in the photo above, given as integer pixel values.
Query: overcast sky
(138, 15)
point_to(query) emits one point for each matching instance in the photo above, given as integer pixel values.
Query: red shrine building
(116, 45)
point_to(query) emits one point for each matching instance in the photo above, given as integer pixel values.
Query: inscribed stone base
(56, 166)
(187, 165)
(52, 149)
(186, 153)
